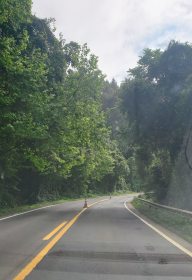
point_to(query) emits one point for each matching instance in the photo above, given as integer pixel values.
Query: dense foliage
(156, 99)
(66, 131)
(54, 140)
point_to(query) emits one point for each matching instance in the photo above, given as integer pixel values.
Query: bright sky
(118, 30)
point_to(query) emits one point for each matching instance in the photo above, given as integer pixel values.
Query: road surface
(105, 242)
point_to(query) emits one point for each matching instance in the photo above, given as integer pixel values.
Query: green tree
(53, 133)
(156, 102)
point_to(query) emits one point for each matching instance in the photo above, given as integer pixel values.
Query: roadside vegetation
(65, 131)
(175, 222)
(54, 137)
(156, 100)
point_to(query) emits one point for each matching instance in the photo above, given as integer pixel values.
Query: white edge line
(29, 211)
(186, 251)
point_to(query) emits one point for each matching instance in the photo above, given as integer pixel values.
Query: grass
(175, 222)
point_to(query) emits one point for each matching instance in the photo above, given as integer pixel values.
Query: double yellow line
(36, 260)
(53, 232)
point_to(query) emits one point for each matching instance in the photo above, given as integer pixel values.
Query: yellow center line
(54, 231)
(38, 258)
(34, 262)
(176, 244)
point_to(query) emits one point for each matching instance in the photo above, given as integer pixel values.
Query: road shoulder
(165, 231)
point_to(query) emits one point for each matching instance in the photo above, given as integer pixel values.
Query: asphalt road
(106, 242)
(21, 237)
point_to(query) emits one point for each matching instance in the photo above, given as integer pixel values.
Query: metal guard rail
(178, 210)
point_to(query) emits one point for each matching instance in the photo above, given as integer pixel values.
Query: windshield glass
(95, 139)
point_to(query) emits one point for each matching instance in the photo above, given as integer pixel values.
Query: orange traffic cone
(85, 204)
